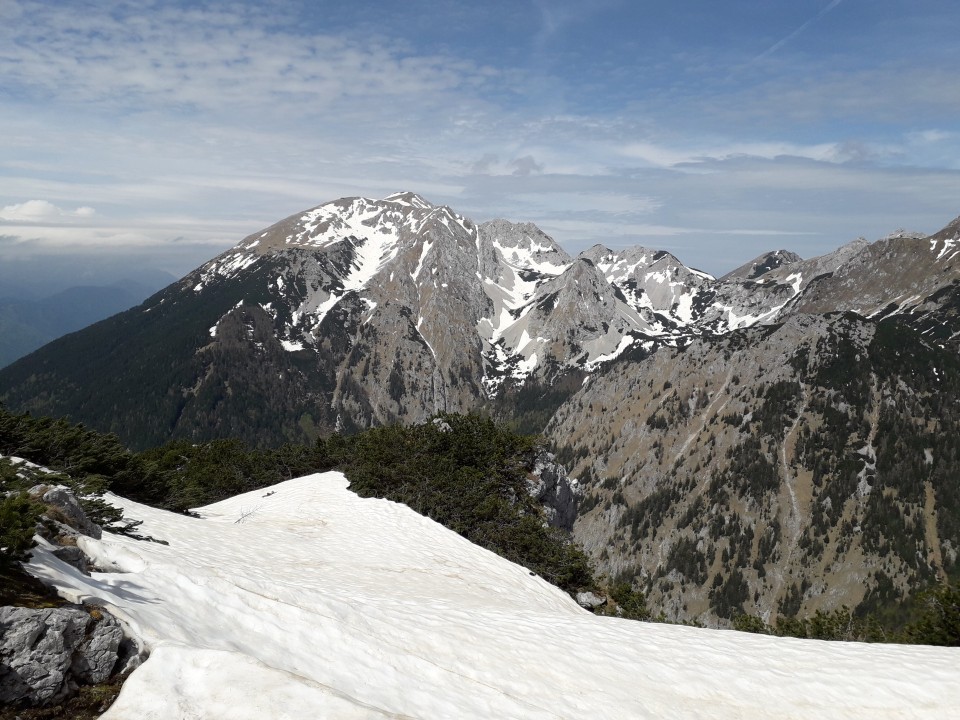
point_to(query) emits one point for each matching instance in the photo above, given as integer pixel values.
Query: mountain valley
(774, 442)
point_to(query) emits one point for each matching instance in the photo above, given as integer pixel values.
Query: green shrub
(469, 474)
(18, 522)
(632, 604)
(939, 621)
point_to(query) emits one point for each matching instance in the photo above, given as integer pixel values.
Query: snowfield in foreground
(306, 601)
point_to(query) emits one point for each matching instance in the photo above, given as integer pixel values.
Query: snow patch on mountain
(946, 248)
(523, 306)
(226, 266)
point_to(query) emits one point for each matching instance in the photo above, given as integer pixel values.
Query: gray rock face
(558, 493)
(45, 653)
(72, 555)
(360, 313)
(724, 459)
(68, 512)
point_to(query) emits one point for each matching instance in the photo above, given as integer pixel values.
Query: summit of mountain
(891, 275)
(763, 264)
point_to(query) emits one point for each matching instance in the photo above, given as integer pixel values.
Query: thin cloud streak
(780, 43)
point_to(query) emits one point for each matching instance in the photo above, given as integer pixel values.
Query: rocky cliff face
(779, 469)
(364, 312)
(46, 653)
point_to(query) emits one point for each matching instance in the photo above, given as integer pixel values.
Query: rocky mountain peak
(524, 245)
(763, 264)
(407, 197)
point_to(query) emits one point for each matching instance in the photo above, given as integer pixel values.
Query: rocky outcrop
(46, 653)
(775, 471)
(361, 313)
(64, 510)
(559, 494)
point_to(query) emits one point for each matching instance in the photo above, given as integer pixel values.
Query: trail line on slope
(708, 412)
(793, 522)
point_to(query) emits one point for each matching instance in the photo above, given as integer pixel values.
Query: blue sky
(716, 130)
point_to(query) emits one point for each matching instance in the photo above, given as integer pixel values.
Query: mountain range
(745, 443)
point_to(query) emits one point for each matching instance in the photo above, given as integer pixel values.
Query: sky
(165, 132)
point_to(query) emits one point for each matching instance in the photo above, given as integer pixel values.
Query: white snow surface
(304, 600)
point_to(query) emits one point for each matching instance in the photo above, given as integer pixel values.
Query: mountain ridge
(362, 312)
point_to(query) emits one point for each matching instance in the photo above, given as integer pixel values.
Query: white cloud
(213, 62)
(209, 124)
(930, 136)
(42, 211)
(661, 156)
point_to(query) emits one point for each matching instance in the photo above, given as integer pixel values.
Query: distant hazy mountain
(39, 276)
(27, 324)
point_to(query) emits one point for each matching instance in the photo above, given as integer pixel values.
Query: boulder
(72, 555)
(45, 653)
(590, 601)
(63, 499)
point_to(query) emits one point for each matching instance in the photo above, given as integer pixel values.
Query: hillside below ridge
(775, 442)
(777, 470)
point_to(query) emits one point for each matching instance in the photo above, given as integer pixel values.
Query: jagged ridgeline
(775, 471)
(362, 312)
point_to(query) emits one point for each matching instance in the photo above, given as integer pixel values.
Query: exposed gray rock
(44, 653)
(590, 601)
(67, 513)
(72, 555)
(442, 425)
(558, 493)
(97, 655)
(66, 502)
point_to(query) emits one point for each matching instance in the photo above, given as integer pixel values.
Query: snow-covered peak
(618, 266)
(524, 246)
(762, 265)
(358, 218)
(903, 234)
(409, 198)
